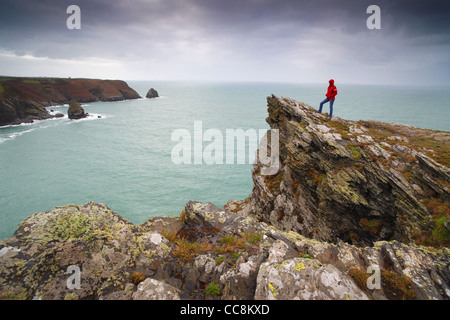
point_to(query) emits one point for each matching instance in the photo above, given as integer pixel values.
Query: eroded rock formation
(348, 197)
(152, 93)
(75, 111)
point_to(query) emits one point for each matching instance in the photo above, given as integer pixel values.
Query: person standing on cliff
(331, 94)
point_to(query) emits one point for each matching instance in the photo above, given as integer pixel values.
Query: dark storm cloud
(416, 18)
(303, 34)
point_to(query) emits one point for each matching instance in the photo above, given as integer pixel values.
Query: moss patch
(213, 289)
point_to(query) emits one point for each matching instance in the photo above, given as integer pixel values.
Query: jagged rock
(312, 230)
(16, 110)
(76, 111)
(152, 289)
(109, 249)
(305, 279)
(351, 180)
(152, 93)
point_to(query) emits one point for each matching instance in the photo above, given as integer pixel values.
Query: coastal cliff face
(16, 110)
(359, 182)
(24, 99)
(314, 230)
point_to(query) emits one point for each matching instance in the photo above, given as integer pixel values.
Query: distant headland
(24, 99)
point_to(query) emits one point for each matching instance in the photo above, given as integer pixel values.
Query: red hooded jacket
(332, 91)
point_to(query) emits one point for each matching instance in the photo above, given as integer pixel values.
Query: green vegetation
(340, 127)
(69, 227)
(23, 295)
(439, 236)
(232, 246)
(1, 88)
(228, 247)
(213, 289)
(441, 233)
(186, 251)
(418, 139)
(220, 259)
(31, 81)
(355, 152)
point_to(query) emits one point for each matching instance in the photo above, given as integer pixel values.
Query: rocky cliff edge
(301, 234)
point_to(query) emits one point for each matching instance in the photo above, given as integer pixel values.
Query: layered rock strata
(356, 210)
(179, 258)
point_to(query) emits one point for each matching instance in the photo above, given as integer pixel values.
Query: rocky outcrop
(75, 111)
(180, 257)
(16, 110)
(24, 99)
(152, 93)
(359, 182)
(356, 210)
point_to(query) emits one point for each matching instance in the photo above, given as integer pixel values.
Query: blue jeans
(331, 106)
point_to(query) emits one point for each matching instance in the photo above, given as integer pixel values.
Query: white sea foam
(17, 125)
(35, 125)
(91, 116)
(59, 106)
(54, 113)
(13, 135)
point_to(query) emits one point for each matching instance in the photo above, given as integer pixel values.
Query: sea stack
(152, 93)
(76, 111)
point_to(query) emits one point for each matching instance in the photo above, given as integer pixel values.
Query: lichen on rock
(340, 204)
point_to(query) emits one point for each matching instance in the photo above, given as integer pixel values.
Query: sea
(122, 154)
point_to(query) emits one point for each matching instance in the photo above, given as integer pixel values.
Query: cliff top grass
(433, 143)
(50, 91)
(344, 165)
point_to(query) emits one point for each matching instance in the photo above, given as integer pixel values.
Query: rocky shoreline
(24, 100)
(348, 196)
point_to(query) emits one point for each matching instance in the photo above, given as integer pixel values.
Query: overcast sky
(231, 40)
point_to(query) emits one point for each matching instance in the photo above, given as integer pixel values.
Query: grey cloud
(246, 34)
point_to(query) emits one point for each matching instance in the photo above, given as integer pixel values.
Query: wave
(13, 135)
(59, 106)
(23, 124)
(43, 124)
(92, 116)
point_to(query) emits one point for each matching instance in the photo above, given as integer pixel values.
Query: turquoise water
(123, 159)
